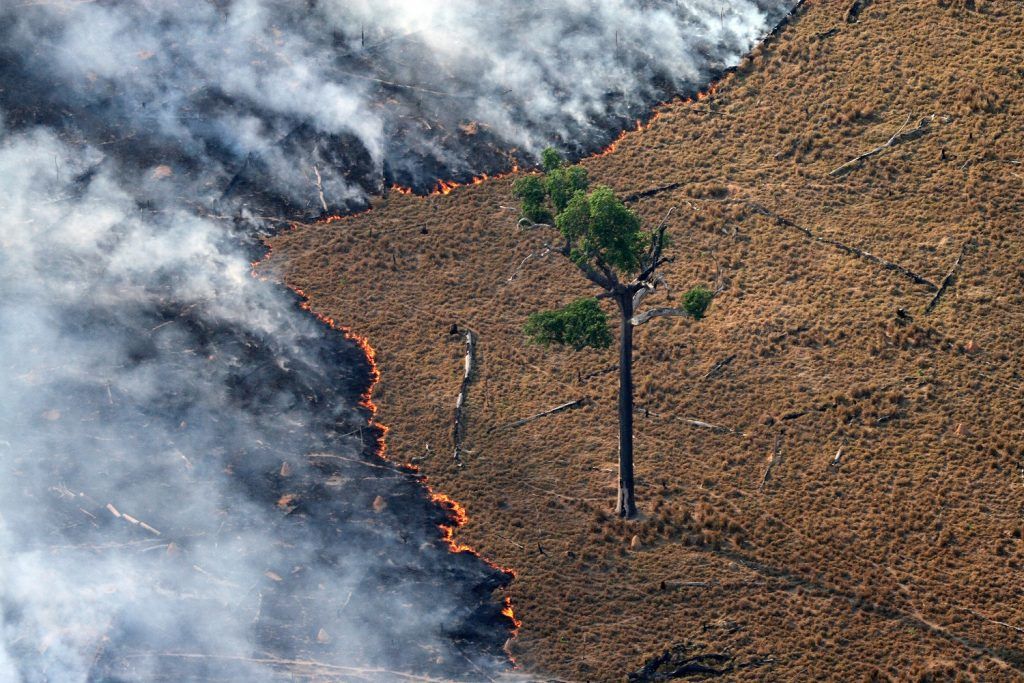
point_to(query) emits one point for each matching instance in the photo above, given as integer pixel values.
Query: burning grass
(900, 556)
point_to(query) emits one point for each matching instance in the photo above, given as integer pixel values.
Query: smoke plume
(188, 485)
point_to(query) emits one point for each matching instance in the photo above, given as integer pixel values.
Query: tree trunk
(625, 506)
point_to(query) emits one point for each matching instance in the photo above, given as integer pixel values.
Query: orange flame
(445, 187)
(656, 113)
(510, 613)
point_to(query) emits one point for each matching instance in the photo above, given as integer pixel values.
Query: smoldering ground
(267, 98)
(183, 463)
(188, 487)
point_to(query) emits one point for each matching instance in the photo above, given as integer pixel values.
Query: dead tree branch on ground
(898, 138)
(860, 253)
(557, 409)
(458, 422)
(948, 280)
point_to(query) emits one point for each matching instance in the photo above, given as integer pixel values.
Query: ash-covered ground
(257, 101)
(190, 486)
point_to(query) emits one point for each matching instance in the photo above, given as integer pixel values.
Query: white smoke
(391, 90)
(106, 400)
(162, 512)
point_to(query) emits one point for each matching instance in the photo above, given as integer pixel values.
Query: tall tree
(603, 238)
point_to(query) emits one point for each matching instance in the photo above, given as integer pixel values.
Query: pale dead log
(948, 280)
(320, 187)
(836, 459)
(701, 424)
(128, 518)
(305, 667)
(776, 458)
(707, 425)
(333, 456)
(557, 409)
(899, 137)
(458, 426)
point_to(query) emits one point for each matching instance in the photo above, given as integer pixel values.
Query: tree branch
(649, 315)
(647, 288)
(600, 280)
(653, 258)
(609, 274)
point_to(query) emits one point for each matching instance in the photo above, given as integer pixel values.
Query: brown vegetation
(897, 557)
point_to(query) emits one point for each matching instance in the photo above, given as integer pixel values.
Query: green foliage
(563, 182)
(696, 301)
(532, 193)
(529, 188)
(574, 221)
(550, 159)
(600, 226)
(579, 324)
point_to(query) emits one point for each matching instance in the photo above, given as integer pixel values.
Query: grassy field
(903, 561)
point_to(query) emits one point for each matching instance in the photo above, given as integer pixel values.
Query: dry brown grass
(885, 567)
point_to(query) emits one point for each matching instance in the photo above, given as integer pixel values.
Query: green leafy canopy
(580, 324)
(599, 227)
(546, 195)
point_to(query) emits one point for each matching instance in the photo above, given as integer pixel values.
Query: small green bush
(696, 301)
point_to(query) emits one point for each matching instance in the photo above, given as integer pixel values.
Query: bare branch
(539, 255)
(526, 224)
(647, 288)
(653, 313)
(653, 258)
(320, 187)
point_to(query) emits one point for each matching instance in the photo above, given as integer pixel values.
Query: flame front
(510, 613)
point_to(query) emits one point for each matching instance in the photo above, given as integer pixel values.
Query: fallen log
(651, 192)
(719, 366)
(776, 459)
(1018, 629)
(898, 138)
(128, 518)
(948, 280)
(458, 423)
(718, 429)
(860, 253)
(557, 409)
